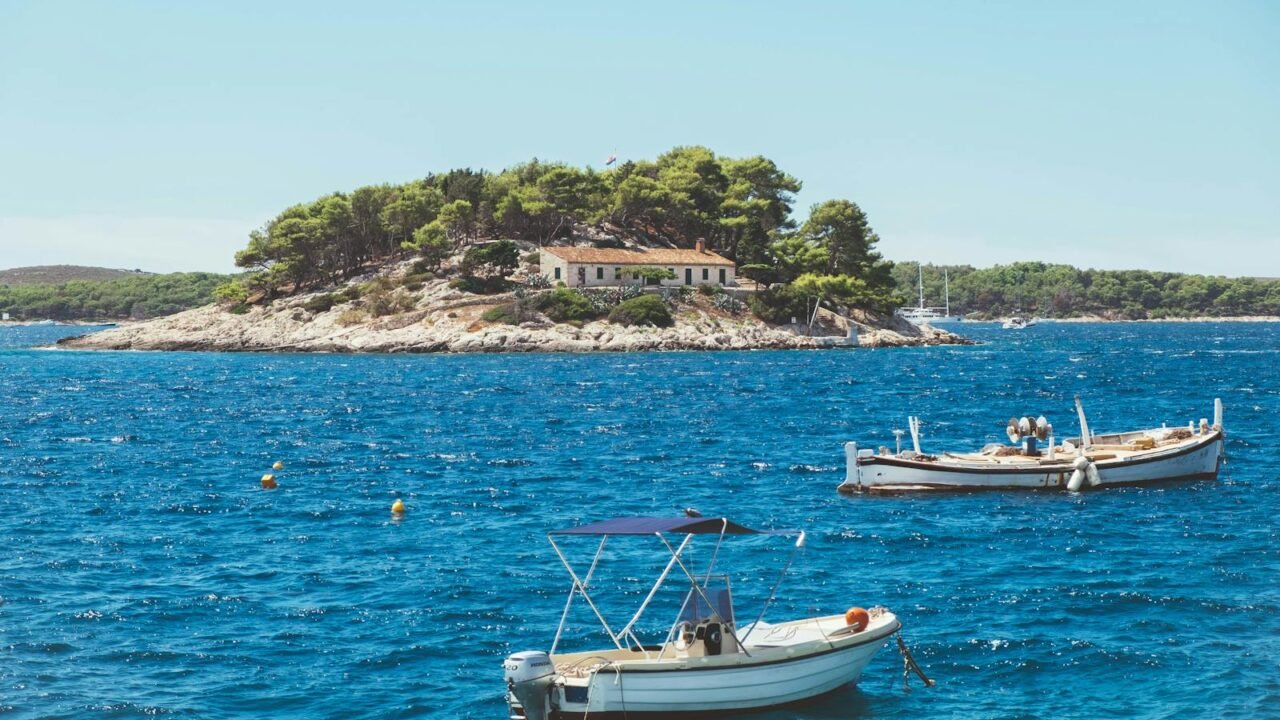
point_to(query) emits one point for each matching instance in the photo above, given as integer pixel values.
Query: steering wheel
(684, 635)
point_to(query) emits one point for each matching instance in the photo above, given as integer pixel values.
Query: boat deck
(1104, 447)
(766, 641)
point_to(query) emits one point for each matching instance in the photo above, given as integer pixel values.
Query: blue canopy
(682, 526)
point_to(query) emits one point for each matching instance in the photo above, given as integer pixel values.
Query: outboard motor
(529, 675)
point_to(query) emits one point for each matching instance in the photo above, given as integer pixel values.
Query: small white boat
(1018, 323)
(708, 661)
(1125, 458)
(922, 315)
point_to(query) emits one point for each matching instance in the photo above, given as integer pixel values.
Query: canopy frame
(656, 527)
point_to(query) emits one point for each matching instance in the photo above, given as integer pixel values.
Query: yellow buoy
(278, 465)
(268, 482)
(397, 507)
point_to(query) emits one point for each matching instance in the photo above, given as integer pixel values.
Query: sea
(145, 571)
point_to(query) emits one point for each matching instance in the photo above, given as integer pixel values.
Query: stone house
(598, 267)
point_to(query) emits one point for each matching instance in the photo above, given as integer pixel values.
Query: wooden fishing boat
(708, 662)
(1125, 458)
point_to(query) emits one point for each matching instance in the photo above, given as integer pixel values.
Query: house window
(617, 273)
(706, 274)
(721, 276)
(599, 273)
(557, 273)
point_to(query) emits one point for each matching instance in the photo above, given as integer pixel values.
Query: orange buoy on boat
(857, 618)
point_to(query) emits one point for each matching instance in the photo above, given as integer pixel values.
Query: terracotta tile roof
(639, 256)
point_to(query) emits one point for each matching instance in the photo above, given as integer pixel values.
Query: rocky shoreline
(448, 320)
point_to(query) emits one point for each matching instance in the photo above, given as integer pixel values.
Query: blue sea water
(144, 571)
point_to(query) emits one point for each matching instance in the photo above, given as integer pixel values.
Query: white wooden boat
(1125, 458)
(708, 662)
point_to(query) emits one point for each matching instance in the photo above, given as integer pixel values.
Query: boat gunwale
(682, 665)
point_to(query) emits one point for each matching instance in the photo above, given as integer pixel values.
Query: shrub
(643, 310)
(564, 305)
(532, 258)
(381, 300)
(779, 304)
(239, 309)
(537, 281)
(677, 295)
(417, 278)
(480, 285)
(352, 316)
(710, 290)
(322, 303)
(504, 314)
(729, 303)
(231, 292)
(491, 259)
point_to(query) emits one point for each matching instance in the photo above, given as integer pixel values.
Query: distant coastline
(1195, 319)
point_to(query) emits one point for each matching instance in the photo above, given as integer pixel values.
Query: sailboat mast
(946, 289)
(920, 267)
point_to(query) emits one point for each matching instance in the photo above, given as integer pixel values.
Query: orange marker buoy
(268, 482)
(857, 618)
(277, 465)
(397, 507)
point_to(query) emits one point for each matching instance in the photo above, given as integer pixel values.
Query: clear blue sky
(1117, 135)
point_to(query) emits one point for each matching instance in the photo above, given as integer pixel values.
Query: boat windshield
(715, 588)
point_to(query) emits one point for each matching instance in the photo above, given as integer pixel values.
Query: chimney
(702, 246)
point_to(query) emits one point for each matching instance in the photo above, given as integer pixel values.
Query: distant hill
(57, 274)
(67, 292)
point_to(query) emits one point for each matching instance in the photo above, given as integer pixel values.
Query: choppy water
(144, 571)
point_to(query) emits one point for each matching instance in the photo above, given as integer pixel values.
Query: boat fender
(1079, 474)
(1091, 474)
(857, 618)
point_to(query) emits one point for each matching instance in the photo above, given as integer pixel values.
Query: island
(691, 251)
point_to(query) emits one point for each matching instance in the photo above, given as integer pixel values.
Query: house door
(688, 276)
(721, 276)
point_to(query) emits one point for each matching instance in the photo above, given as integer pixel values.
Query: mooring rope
(910, 665)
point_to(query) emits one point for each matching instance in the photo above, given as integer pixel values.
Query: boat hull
(1199, 460)
(771, 679)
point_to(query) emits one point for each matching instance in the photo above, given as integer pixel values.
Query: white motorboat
(1018, 323)
(922, 315)
(1124, 458)
(708, 661)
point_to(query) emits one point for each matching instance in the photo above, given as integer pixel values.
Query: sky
(156, 135)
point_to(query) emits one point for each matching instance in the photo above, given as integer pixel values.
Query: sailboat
(922, 315)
